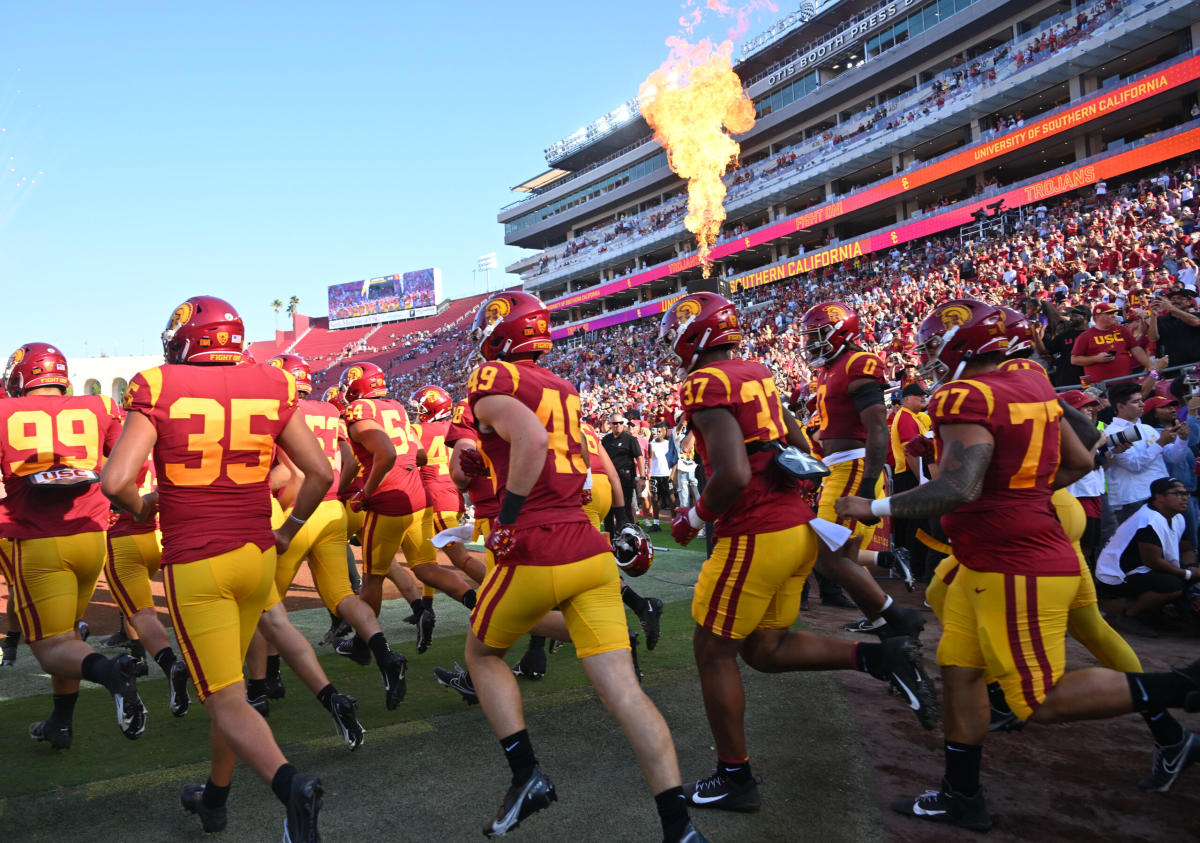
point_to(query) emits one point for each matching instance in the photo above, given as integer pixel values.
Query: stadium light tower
(485, 264)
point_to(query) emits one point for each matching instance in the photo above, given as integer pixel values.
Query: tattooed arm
(965, 458)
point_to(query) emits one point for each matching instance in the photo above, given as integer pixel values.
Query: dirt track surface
(1073, 781)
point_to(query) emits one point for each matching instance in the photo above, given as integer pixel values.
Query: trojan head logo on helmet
(204, 329)
(697, 323)
(825, 331)
(432, 403)
(363, 380)
(297, 365)
(510, 324)
(34, 365)
(957, 332)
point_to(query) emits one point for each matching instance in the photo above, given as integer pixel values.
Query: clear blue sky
(262, 150)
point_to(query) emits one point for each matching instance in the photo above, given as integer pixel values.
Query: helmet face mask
(827, 329)
(633, 551)
(299, 369)
(432, 403)
(697, 323)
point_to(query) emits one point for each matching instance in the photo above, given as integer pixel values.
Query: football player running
(212, 428)
(547, 555)
(1003, 451)
(854, 443)
(748, 593)
(53, 446)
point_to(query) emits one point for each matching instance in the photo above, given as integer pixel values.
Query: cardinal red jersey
(747, 390)
(401, 492)
(39, 433)
(592, 440)
(435, 474)
(1012, 527)
(553, 502)
(326, 424)
(481, 490)
(217, 427)
(838, 416)
(125, 525)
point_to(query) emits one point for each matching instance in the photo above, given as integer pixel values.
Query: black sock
(427, 602)
(894, 614)
(868, 658)
(737, 772)
(137, 650)
(1164, 727)
(962, 767)
(635, 602)
(273, 666)
(96, 668)
(672, 812)
(379, 648)
(1153, 692)
(281, 783)
(216, 796)
(64, 707)
(884, 559)
(518, 751)
(469, 597)
(256, 688)
(418, 608)
(165, 659)
(326, 695)
(13, 636)
(537, 642)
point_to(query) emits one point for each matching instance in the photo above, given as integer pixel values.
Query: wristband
(703, 512)
(881, 507)
(299, 521)
(510, 508)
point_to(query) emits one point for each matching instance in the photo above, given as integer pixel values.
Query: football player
(748, 593)
(1003, 450)
(134, 555)
(854, 440)
(213, 427)
(12, 634)
(52, 447)
(547, 555)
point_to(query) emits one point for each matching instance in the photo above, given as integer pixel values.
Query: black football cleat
(691, 835)
(355, 649)
(425, 625)
(338, 628)
(1001, 716)
(276, 690)
(84, 630)
(906, 674)
(344, 709)
(1170, 762)
(720, 791)
(459, 680)
(260, 704)
(905, 622)
(211, 819)
(633, 648)
(394, 684)
(58, 735)
(122, 684)
(651, 620)
(178, 680)
(901, 566)
(532, 665)
(8, 651)
(865, 625)
(520, 801)
(304, 805)
(947, 807)
(120, 638)
(553, 645)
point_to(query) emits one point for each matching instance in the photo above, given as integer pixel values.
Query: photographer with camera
(1134, 452)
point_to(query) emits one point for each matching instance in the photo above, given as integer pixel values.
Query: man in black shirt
(1059, 346)
(1176, 327)
(626, 455)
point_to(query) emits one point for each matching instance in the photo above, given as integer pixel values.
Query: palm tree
(276, 306)
(293, 303)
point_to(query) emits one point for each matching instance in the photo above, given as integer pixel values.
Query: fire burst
(694, 102)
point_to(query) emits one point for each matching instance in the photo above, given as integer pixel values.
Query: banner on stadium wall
(1038, 191)
(385, 299)
(1037, 131)
(628, 314)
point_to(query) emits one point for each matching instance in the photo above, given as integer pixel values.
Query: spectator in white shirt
(1133, 466)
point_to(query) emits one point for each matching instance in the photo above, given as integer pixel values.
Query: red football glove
(472, 464)
(920, 447)
(113, 517)
(586, 496)
(357, 501)
(501, 540)
(681, 526)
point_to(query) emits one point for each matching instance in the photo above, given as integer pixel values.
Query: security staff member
(626, 456)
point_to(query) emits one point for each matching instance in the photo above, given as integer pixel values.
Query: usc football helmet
(697, 323)
(956, 332)
(511, 323)
(432, 402)
(299, 368)
(633, 550)
(363, 380)
(34, 365)
(333, 396)
(204, 329)
(1020, 332)
(825, 330)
